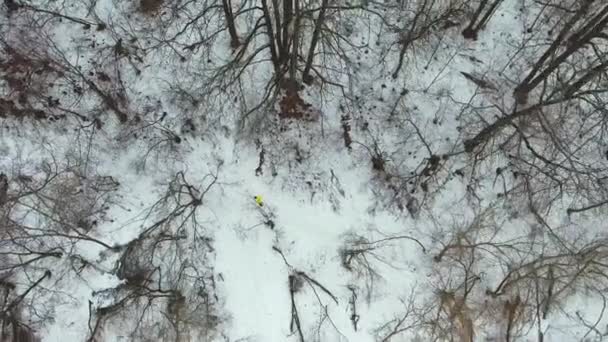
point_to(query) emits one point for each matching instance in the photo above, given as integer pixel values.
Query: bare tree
(48, 211)
(228, 13)
(480, 18)
(539, 270)
(585, 26)
(553, 144)
(169, 286)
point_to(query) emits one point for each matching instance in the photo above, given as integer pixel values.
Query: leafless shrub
(169, 283)
(158, 139)
(406, 189)
(50, 209)
(355, 258)
(296, 282)
(359, 256)
(80, 202)
(409, 322)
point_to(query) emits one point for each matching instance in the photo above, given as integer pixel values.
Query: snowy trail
(256, 280)
(253, 274)
(253, 278)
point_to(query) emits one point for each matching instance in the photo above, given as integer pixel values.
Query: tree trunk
(577, 41)
(558, 40)
(234, 37)
(295, 40)
(287, 24)
(469, 32)
(278, 26)
(472, 30)
(532, 80)
(274, 54)
(491, 130)
(486, 18)
(591, 74)
(406, 40)
(313, 43)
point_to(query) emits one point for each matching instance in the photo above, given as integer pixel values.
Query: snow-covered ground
(338, 251)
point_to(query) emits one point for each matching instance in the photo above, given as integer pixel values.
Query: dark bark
(469, 32)
(277, 19)
(491, 130)
(271, 39)
(234, 37)
(489, 13)
(472, 30)
(295, 40)
(313, 42)
(586, 78)
(3, 189)
(287, 18)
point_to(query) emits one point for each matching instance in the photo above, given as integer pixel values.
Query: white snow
(312, 207)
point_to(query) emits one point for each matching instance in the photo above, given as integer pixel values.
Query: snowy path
(253, 277)
(256, 280)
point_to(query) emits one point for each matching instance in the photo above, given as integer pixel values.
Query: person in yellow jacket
(258, 200)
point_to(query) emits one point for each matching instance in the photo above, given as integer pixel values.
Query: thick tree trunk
(472, 30)
(277, 19)
(274, 54)
(287, 25)
(316, 34)
(469, 32)
(295, 40)
(486, 18)
(589, 75)
(491, 130)
(234, 37)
